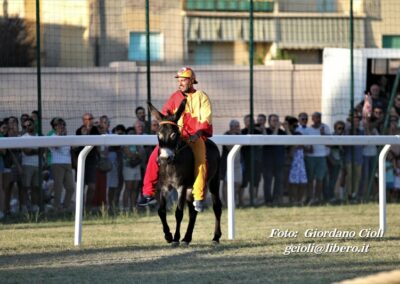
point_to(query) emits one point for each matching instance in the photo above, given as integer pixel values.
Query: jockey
(196, 126)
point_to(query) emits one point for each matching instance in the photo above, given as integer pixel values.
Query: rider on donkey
(196, 126)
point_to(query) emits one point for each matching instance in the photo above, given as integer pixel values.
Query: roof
(287, 32)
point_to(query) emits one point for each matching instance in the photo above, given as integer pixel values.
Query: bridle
(177, 149)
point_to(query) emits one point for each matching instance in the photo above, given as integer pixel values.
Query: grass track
(132, 249)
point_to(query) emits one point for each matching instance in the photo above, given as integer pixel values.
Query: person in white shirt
(30, 168)
(316, 163)
(303, 120)
(62, 170)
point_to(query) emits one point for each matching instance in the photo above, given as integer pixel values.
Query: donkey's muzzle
(165, 160)
(166, 156)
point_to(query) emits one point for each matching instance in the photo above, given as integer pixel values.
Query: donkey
(176, 171)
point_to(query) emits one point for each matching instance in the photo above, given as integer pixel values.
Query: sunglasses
(304, 118)
(339, 128)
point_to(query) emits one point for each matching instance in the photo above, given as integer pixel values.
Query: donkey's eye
(173, 135)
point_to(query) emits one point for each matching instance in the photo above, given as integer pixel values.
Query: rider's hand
(193, 138)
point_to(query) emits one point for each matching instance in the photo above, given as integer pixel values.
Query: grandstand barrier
(236, 140)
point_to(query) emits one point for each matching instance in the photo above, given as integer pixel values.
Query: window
(324, 6)
(137, 46)
(392, 41)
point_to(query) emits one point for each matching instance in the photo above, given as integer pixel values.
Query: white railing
(236, 140)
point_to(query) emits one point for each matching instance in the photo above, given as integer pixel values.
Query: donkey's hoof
(185, 243)
(215, 242)
(175, 244)
(168, 238)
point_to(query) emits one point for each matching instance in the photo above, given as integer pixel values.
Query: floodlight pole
(251, 130)
(39, 100)
(353, 131)
(148, 75)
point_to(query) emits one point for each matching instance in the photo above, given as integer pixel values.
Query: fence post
(231, 190)
(80, 182)
(382, 188)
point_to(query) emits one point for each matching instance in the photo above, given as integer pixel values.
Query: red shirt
(197, 114)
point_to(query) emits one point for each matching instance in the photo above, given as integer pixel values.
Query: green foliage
(283, 55)
(16, 45)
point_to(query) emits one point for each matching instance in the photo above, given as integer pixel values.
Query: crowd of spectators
(294, 175)
(318, 174)
(113, 174)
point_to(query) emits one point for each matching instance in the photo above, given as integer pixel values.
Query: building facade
(97, 32)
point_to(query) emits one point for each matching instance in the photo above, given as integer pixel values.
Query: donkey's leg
(179, 215)
(162, 212)
(192, 217)
(217, 207)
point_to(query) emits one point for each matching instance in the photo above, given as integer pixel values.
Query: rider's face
(184, 84)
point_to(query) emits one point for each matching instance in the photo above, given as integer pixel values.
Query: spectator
(303, 120)
(336, 165)
(131, 172)
(261, 121)
(88, 128)
(144, 150)
(12, 168)
(100, 195)
(30, 168)
(395, 110)
(353, 170)
(297, 172)
(62, 170)
(369, 155)
(115, 178)
(273, 160)
(245, 153)
(36, 118)
(376, 99)
(377, 120)
(51, 133)
(395, 192)
(234, 129)
(23, 118)
(260, 126)
(154, 126)
(316, 164)
(141, 116)
(393, 157)
(2, 155)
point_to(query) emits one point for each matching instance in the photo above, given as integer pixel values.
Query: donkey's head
(168, 133)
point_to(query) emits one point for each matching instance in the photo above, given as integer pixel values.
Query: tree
(16, 45)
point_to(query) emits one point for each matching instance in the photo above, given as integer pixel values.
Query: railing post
(231, 190)
(382, 188)
(80, 182)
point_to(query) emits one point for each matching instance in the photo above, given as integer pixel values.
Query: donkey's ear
(154, 112)
(180, 110)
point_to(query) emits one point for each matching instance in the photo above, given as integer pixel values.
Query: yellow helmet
(186, 72)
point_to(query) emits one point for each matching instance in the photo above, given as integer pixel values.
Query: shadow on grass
(233, 262)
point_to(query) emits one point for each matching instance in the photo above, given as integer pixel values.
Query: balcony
(229, 5)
